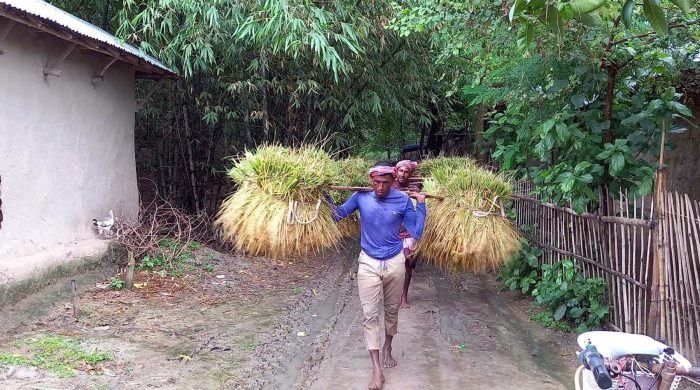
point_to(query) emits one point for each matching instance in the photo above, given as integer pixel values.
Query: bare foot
(388, 360)
(404, 304)
(377, 380)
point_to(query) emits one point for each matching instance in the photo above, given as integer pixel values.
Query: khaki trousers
(374, 278)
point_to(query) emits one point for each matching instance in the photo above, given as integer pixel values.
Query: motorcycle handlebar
(593, 360)
(693, 372)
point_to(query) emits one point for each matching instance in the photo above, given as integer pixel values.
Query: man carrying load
(381, 264)
(404, 170)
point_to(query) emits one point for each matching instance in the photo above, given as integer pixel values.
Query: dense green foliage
(287, 70)
(584, 104)
(573, 94)
(560, 289)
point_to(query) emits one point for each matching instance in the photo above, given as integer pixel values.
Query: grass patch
(298, 290)
(176, 258)
(251, 346)
(13, 359)
(60, 355)
(546, 318)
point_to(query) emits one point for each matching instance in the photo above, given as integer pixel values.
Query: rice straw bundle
(274, 182)
(466, 231)
(428, 166)
(350, 172)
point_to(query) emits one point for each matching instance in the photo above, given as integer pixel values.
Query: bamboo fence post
(634, 299)
(615, 264)
(130, 271)
(683, 297)
(657, 314)
(670, 257)
(74, 297)
(694, 273)
(650, 273)
(368, 189)
(625, 237)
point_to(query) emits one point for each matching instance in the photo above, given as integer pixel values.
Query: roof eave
(144, 69)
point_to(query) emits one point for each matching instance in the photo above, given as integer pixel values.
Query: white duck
(104, 225)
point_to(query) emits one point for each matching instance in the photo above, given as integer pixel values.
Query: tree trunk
(422, 141)
(291, 121)
(657, 309)
(265, 108)
(435, 138)
(105, 17)
(190, 162)
(479, 131)
(612, 79)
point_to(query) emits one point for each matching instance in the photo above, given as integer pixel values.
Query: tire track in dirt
(284, 360)
(498, 348)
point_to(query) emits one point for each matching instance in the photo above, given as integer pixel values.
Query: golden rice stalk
(457, 234)
(428, 166)
(255, 217)
(352, 172)
(350, 226)
(454, 238)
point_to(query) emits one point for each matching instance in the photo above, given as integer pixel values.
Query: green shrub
(520, 272)
(569, 295)
(546, 318)
(561, 288)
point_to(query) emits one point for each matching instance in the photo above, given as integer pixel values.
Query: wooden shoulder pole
(368, 189)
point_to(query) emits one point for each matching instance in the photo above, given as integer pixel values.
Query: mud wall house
(67, 111)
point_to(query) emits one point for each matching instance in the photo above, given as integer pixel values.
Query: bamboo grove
(572, 94)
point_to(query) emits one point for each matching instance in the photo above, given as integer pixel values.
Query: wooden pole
(74, 295)
(130, 271)
(367, 189)
(657, 310)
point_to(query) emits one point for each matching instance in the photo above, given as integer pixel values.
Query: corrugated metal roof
(54, 14)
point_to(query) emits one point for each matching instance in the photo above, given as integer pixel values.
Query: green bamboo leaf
(591, 19)
(525, 37)
(684, 5)
(655, 16)
(628, 12)
(516, 9)
(586, 6)
(554, 20)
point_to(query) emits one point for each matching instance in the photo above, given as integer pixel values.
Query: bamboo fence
(618, 243)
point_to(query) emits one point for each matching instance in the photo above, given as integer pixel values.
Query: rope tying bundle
(482, 214)
(293, 216)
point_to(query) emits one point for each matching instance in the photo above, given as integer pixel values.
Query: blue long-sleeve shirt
(380, 220)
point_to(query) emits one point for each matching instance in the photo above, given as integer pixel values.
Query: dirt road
(458, 333)
(257, 323)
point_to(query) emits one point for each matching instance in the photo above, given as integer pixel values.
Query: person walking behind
(381, 263)
(409, 246)
(404, 170)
